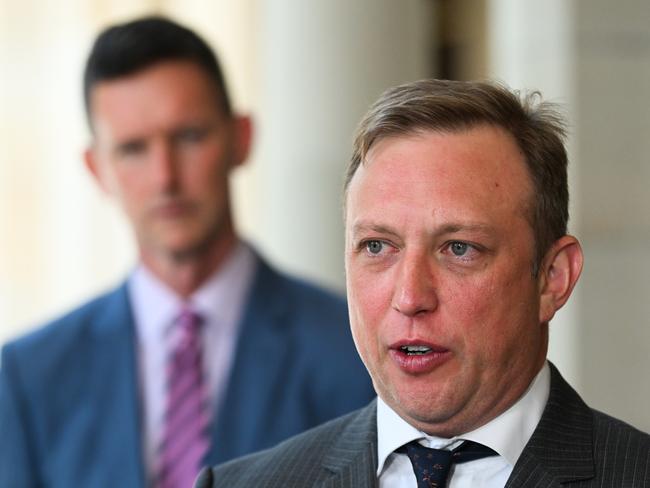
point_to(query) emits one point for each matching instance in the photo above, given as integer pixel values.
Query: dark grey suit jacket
(572, 445)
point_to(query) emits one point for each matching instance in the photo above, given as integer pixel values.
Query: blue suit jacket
(69, 394)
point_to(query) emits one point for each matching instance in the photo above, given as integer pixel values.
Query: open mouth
(418, 356)
(415, 350)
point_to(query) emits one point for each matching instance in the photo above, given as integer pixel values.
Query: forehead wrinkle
(455, 227)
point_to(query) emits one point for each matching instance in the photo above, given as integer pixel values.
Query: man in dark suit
(205, 352)
(457, 258)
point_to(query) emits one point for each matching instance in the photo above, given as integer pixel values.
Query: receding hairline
(527, 210)
(420, 131)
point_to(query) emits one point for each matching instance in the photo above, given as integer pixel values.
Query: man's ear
(93, 166)
(558, 275)
(243, 137)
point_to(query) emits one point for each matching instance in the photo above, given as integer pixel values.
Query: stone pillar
(321, 63)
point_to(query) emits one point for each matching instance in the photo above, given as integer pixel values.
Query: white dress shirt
(507, 434)
(219, 302)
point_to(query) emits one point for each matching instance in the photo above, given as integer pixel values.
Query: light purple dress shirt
(220, 302)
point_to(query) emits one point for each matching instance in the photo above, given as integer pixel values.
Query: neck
(185, 273)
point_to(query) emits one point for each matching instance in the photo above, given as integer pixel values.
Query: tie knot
(431, 466)
(189, 324)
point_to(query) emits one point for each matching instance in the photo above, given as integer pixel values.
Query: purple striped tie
(185, 439)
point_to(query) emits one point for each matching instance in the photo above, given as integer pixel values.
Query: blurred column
(48, 260)
(321, 63)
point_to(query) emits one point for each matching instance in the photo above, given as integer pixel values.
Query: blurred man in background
(205, 352)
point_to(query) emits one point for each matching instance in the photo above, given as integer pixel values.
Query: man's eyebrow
(447, 228)
(364, 226)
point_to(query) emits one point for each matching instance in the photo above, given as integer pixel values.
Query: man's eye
(131, 148)
(374, 247)
(459, 248)
(191, 134)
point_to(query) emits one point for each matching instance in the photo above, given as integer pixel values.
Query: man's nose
(415, 290)
(164, 165)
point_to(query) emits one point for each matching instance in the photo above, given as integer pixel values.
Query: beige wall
(613, 138)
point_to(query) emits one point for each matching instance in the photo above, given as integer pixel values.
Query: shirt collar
(156, 306)
(507, 434)
(220, 297)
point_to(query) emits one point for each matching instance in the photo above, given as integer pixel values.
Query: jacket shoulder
(297, 461)
(621, 451)
(606, 426)
(54, 342)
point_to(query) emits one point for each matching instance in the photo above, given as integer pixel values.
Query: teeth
(416, 349)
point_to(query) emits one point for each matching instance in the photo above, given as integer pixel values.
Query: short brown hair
(442, 105)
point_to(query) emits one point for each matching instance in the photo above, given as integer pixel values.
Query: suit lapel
(117, 441)
(352, 460)
(561, 448)
(259, 363)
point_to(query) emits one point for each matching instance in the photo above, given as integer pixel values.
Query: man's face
(444, 308)
(164, 149)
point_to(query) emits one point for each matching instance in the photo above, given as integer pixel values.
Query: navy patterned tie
(431, 466)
